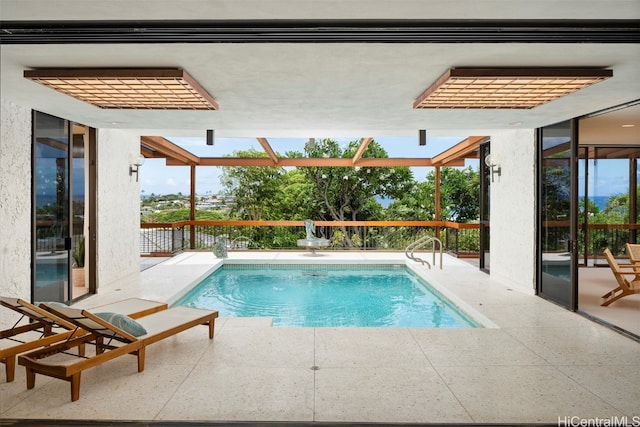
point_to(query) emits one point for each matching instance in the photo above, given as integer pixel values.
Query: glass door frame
(56, 237)
(570, 299)
(65, 291)
(485, 211)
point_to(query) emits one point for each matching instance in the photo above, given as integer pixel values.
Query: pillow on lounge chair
(53, 303)
(123, 322)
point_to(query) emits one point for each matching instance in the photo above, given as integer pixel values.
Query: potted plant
(78, 263)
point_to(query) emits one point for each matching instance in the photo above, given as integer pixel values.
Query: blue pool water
(326, 296)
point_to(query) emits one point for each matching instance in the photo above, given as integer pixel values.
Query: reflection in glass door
(605, 207)
(485, 183)
(558, 226)
(78, 209)
(51, 203)
(59, 194)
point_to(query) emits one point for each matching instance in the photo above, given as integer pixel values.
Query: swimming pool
(326, 296)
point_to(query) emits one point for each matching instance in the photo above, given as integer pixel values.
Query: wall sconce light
(422, 137)
(135, 167)
(492, 163)
(210, 137)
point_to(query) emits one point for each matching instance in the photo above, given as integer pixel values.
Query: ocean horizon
(599, 201)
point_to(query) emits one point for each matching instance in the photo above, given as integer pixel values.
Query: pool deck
(534, 363)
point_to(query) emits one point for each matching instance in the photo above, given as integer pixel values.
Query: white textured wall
(15, 203)
(513, 209)
(118, 251)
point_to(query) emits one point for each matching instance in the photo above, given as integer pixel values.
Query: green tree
(348, 193)
(176, 215)
(418, 204)
(616, 211)
(459, 194)
(296, 201)
(256, 190)
(555, 191)
(345, 193)
(459, 198)
(591, 210)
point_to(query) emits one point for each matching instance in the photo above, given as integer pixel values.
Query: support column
(437, 199)
(192, 211)
(633, 199)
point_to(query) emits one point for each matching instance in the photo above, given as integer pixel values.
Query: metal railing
(169, 238)
(461, 240)
(592, 239)
(597, 237)
(421, 243)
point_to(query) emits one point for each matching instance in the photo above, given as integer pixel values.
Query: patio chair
(113, 336)
(45, 328)
(625, 287)
(633, 251)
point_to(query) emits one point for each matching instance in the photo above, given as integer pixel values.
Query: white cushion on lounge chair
(168, 319)
(132, 307)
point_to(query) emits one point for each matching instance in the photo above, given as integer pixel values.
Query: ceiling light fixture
(422, 137)
(127, 88)
(517, 88)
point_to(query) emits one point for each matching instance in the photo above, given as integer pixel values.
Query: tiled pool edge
(194, 282)
(454, 299)
(305, 258)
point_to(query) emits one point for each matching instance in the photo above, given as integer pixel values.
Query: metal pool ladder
(420, 243)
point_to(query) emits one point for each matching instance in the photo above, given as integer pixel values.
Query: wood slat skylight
(132, 88)
(509, 88)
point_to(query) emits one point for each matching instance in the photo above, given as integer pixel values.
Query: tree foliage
(345, 193)
(175, 215)
(348, 193)
(460, 194)
(256, 190)
(459, 198)
(296, 201)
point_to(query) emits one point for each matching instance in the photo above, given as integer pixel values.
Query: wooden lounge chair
(633, 251)
(625, 287)
(45, 328)
(110, 341)
(132, 307)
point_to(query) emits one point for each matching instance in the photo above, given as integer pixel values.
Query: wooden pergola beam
(147, 152)
(170, 150)
(53, 143)
(234, 161)
(267, 149)
(312, 162)
(363, 146)
(159, 147)
(464, 149)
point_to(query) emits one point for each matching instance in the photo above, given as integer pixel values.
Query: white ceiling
(334, 90)
(317, 9)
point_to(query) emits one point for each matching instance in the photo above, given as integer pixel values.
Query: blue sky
(156, 178)
(606, 176)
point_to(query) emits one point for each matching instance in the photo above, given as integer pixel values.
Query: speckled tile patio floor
(534, 363)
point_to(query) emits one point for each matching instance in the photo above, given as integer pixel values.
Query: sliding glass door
(557, 253)
(485, 186)
(51, 204)
(60, 209)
